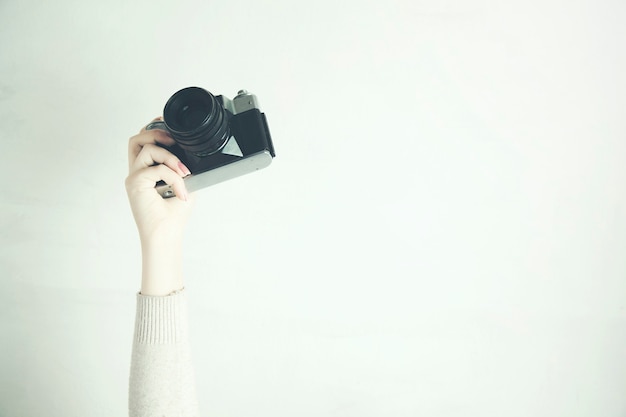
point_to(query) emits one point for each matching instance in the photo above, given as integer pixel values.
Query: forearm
(161, 265)
(161, 374)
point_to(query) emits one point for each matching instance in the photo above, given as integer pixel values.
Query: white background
(442, 232)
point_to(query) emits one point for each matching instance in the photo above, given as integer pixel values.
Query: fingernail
(183, 168)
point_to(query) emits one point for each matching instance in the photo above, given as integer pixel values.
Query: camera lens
(197, 121)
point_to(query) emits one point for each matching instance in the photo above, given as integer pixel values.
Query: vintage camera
(216, 138)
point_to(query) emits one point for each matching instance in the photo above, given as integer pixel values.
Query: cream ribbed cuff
(161, 319)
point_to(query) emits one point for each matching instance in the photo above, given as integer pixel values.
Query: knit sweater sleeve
(161, 374)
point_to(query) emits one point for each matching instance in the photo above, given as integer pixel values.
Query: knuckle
(130, 182)
(165, 172)
(146, 148)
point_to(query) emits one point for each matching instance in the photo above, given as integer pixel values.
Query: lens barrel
(197, 121)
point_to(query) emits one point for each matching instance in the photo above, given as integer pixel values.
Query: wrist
(162, 235)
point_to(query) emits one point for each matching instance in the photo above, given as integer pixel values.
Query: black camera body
(216, 138)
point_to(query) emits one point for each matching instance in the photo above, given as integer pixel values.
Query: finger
(152, 154)
(147, 178)
(137, 142)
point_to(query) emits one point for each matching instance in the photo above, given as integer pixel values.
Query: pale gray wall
(441, 234)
